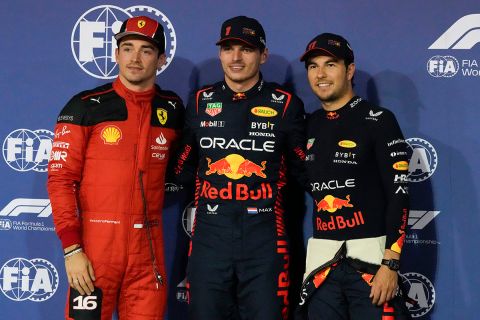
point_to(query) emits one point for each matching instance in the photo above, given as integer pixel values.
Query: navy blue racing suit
(239, 146)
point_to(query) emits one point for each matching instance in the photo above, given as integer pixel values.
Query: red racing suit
(106, 186)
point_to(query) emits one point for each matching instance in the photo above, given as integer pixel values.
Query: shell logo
(347, 144)
(264, 111)
(400, 165)
(111, 135)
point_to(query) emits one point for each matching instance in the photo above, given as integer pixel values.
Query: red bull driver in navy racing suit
(240, 136)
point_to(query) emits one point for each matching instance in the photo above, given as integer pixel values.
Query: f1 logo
(18, 206)
(419, 219)
(463, 34)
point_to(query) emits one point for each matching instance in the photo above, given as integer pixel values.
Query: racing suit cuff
(70, 236)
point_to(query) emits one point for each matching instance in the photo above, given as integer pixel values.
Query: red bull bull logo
(331, 204)
(220, 167)
(234, 166)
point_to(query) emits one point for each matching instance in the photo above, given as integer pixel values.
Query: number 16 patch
(85, 307)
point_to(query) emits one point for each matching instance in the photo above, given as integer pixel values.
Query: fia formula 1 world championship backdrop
(418, 58)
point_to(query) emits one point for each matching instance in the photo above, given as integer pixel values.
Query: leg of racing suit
(248, 262)
(210, 271)
(344, 295)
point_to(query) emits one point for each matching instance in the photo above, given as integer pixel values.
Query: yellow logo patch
(162, 115)
(347, 144)
(264, 111)
(400, 165)
(141, 23)
(111, 135)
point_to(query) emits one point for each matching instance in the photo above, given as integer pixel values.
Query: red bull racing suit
(357, 167)
(106, 186)
(239, 145)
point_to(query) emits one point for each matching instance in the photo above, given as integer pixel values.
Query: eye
(247, 49)
(311, 67)
(331, 64)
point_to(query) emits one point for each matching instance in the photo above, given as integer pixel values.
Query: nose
(136, 55)
(237, 54)
(320, 72)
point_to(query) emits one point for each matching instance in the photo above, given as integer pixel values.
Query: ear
(162, 59)
(264, 56)
(350, 71)
(116, 55)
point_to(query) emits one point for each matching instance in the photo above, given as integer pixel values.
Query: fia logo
(421, 290)
(25, 150)
(22, 279)
(423, 161)
(443, 66)
(93, 44)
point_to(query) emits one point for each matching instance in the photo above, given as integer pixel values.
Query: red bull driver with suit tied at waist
(357, 168)
(240, 136)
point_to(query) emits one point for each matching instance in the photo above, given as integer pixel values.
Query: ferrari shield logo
(162, 115)
(213, 108)
(141, 23)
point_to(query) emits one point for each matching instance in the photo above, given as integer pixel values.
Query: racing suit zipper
(338, 256)
(156, 273)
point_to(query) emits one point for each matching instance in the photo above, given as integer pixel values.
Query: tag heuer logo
(213, 108)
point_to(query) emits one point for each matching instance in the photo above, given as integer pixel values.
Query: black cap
(329, 44)
(144, 27)
(245, 29)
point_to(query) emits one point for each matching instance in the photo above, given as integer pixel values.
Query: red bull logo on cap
(331, 204)
(234, 166)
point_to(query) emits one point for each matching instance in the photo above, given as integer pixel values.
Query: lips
(236, 67)
(323, 85)
(134, 68)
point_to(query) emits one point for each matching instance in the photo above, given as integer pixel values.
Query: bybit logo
(93, 44)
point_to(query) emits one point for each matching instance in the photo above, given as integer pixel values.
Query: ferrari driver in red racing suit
(106, 183)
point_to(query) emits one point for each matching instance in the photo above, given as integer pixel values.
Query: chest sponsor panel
(236, 191)
(248, 144)
(330, 215)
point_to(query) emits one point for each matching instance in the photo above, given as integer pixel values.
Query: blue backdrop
(418, 58)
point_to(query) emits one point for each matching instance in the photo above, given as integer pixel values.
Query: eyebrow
(145, 46)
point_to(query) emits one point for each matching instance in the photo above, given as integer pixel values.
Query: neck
(338, 103)
(140, 87)
(244, 85)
